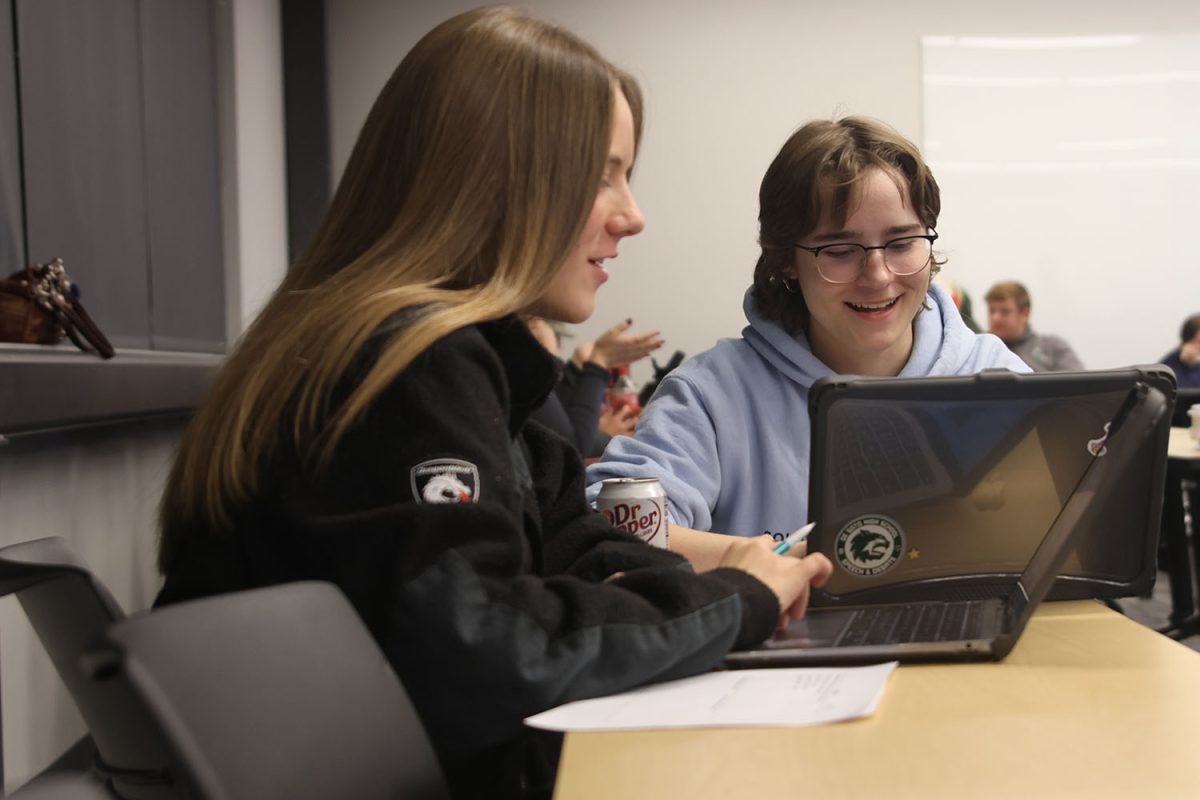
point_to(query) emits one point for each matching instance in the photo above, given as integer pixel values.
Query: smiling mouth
(872, 308)
(602, 271)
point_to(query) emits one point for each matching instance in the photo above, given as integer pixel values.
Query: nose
(627, 219)
(874, 269)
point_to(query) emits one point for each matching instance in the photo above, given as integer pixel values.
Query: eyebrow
(616, 163)
(844, 236)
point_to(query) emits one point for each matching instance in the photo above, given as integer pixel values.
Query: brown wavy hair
(1009, 290)
(468, 187)
(828, 156)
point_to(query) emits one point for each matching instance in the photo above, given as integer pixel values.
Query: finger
(646, 343)
(621, 327)
(819, 568)
(794, 609)
(798, 550)
(800, 606)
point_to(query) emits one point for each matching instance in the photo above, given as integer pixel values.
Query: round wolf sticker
(869, 545)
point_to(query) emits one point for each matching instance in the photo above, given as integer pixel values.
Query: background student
(1185, 359)
(843, 284)
(370, 427)
(577, 409)
(1008, 318)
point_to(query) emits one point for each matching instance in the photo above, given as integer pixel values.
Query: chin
(573, 314)
(570, 319)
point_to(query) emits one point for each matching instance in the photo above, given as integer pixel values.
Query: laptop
(988, 463)
(943, 610)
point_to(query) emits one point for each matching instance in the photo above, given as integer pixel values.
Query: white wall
(98, 489)
(1087, 192)
(726, 84)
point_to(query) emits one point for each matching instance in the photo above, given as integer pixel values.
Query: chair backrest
(69, 609)
(273, 693)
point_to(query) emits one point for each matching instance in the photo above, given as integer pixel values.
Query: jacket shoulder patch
(445, 480)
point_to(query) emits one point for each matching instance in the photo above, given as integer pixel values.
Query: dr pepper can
(636, 505)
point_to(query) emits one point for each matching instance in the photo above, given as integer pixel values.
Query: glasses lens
(841, 262)
(908, 255)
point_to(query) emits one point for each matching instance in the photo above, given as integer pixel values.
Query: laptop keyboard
(879, 454)
(916, 622)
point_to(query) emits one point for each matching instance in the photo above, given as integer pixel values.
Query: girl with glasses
(844, 285)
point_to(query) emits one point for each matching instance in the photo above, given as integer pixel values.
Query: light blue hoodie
(727, 432)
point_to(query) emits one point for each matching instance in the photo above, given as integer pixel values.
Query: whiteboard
(1072, 164)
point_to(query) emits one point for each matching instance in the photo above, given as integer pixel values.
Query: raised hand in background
(616, 348)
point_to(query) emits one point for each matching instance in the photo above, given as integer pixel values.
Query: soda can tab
(636, 505)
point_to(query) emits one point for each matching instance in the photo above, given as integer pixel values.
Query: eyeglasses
(844, 262)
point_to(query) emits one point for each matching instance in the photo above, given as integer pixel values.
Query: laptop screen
(921, 490)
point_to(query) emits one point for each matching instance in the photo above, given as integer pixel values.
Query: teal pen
(795, 538)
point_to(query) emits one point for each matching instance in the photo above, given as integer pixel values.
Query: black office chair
(69, 608)
(272, 693)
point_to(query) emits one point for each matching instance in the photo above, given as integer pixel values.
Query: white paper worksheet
(800, 696)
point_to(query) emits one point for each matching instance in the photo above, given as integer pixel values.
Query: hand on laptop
(790, 578)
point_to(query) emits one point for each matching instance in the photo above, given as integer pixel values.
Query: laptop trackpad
(820, 627)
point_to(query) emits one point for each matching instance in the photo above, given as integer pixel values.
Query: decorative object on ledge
(40, 304)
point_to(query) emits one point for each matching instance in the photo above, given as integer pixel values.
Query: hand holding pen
(790, 578)
(794, 539)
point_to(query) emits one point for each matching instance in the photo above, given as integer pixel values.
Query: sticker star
(914, 554)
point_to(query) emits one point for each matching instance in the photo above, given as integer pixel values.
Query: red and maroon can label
(637, 505)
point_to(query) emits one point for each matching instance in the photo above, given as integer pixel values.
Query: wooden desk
(1088, 704)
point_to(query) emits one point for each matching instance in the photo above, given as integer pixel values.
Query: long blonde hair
(466, 190)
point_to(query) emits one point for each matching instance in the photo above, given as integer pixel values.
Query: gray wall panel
(12, 222)
(187, 309)
(81, 123)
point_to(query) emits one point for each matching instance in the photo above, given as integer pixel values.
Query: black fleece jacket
(461, 535)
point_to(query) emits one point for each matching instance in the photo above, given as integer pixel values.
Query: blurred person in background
(577, 409)
(1185, 359)
(1008, 318)
(962, 300)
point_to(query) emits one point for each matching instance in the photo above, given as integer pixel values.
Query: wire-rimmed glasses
(843, 262)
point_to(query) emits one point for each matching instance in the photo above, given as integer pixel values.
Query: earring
(792, 288)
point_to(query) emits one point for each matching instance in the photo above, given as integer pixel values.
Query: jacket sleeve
(581, 392)
(484, 624)
(676, 442)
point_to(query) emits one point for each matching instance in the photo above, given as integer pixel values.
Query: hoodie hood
(789, 354)
(942, 342)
